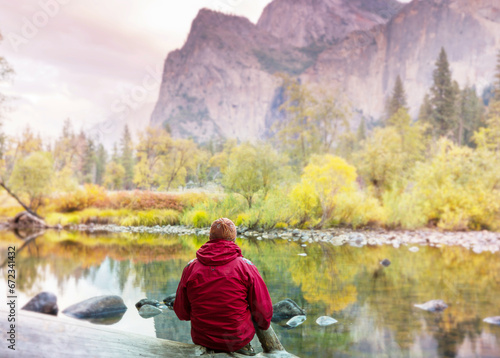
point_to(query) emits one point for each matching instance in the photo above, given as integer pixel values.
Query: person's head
(223, 229)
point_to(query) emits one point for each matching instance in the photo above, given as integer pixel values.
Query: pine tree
(470, 116)
(443, 98)
(497, 79)
(361, 134)
(89, 162)
(100, 169)
(127, 158)
(398, 98)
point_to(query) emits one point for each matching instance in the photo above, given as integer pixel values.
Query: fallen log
(26, 220)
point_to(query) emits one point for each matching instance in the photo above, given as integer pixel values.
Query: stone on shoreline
(96, 307)
(286, 309)
(148, 311)
(433, 306)
(44, 302)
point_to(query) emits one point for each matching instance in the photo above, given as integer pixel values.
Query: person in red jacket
(223, 294)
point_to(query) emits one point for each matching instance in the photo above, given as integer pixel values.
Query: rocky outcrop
(408, 46)
(318, 23)
(222, 83)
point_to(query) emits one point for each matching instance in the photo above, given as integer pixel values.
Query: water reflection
(373, 304)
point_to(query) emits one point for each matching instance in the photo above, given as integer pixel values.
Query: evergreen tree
(100, 169)
(425, 112)
(89, 162)
(397, 100)
(361, 135)
(115, 157)
(127, 158)
(497, 79)
(443, 98)
(470, 115)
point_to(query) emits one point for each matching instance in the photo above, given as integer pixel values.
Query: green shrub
(200, 219)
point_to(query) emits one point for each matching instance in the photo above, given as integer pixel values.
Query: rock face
(44, 302)
(303, 23)
(222, 83)
(97, 307)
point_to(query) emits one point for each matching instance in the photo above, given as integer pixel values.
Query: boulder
(169, 301)
(44, 302)
(97, 307)
(433, 306)
(295, 321)
(492, 320)
(326, 320)
(148, 311)
(385, 262)
(26, 220)
(147, 301)
(286, 309)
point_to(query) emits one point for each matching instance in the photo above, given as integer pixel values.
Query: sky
(93, 61)
(97, 62)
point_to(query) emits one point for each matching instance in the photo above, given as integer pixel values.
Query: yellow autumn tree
(326, 176)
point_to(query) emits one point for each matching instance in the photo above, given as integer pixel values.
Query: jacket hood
(218, 252)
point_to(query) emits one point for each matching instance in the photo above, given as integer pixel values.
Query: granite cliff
(223, 83)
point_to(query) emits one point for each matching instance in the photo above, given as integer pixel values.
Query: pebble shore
(477, 241)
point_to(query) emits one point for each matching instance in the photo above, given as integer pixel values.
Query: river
(373, 304)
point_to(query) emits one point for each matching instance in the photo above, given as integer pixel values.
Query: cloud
(82, 57)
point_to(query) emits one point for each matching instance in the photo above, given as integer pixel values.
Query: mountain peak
(323, 22)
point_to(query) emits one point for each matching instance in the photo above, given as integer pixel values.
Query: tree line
(313, 155)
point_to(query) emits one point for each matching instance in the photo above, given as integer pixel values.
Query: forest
(438, 170)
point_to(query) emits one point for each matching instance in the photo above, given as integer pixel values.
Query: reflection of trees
(374, 305)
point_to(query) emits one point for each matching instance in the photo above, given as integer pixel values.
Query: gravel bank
(477, 241)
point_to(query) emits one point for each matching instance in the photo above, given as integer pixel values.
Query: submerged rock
(385, 262)
(296, 321)
(169, 301)
(147, 301)
(286, 309)
(326, 320)
(44, 302)
(97, 307)
(433, 306)
(492, 320)
(148, 311)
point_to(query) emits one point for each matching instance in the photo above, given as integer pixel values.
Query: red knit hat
(223, 229)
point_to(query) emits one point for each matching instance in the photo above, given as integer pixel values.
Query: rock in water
(286, 309)
(326, 321)
(44, 302)
(169, 301)
(148, 311)
(296, 321)
(433, 306)
(147, 301)
(95, 307)
(493, 320)
(385, 262)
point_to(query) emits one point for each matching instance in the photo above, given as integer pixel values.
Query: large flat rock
(39, 335)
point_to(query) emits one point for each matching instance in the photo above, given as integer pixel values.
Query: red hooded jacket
(221, 292)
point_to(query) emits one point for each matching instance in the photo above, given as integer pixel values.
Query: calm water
(373, 304)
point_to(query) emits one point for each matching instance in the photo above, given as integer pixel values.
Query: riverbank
(477, 241)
